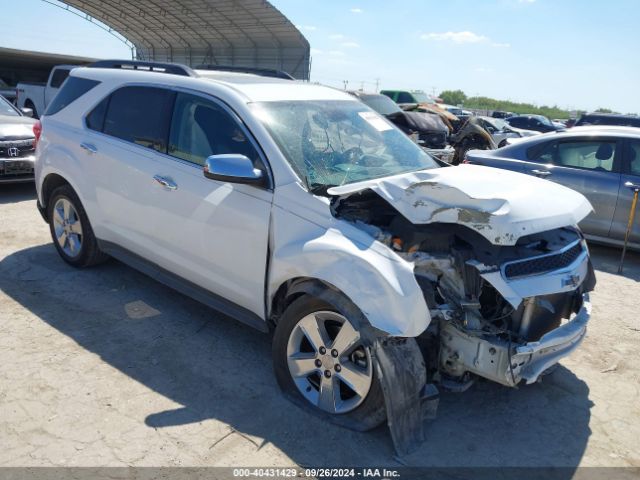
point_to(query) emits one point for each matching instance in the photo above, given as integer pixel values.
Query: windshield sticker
(375, 121)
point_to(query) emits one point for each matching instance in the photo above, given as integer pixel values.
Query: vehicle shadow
(607, 259)
(17, 192)
(219, 369)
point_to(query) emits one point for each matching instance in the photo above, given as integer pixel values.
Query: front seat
(604, 153)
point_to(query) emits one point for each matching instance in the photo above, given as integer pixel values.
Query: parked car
(602, 163)
(608, 119)
(408, 96)
(37, 96)
(501, 114)
(539, 123)
(296, 208)
(17, 150)
(430, 129)
(501, 130)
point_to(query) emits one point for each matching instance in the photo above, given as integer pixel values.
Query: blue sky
(573, 53)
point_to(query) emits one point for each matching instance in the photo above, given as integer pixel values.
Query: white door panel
(123, 176)
(214, 234)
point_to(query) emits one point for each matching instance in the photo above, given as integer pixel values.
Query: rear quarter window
(73, 89)
(59, 76)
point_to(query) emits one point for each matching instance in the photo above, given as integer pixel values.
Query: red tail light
(466, 160)
(37, 131)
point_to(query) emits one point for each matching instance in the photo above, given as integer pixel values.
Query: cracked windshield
(330, 143)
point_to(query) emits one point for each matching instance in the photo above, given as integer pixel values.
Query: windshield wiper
(320, 188)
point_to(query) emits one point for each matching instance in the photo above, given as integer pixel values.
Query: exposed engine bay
(478, 326)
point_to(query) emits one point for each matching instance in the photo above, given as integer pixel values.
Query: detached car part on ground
(381, 275)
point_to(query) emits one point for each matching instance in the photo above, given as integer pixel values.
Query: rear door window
(140, 115)
(597, 155)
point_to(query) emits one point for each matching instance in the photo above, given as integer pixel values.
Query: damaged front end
(470, 136)
(504, 309)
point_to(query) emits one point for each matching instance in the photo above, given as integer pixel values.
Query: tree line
(458, 97)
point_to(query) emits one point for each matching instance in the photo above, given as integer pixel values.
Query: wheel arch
(292, 289)
(50, 183)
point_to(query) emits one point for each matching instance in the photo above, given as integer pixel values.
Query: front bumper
(508, 363)
(20, 169)
(533, 358)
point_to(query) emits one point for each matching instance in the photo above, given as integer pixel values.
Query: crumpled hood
(500, 205)
(16, 128)
(424, 122)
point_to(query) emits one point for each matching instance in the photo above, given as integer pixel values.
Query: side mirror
(232, 168)
(27, 112)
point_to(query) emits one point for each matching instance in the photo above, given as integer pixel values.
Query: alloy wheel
(328, 363)
(67, 227)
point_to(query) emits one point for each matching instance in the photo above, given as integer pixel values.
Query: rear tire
(327, 368)
(71, 231)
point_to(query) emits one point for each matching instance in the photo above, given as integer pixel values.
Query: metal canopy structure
(247, 33)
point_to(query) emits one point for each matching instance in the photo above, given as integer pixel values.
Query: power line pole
(377, 85)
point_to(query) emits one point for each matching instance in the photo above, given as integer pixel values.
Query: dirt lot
(107, 367)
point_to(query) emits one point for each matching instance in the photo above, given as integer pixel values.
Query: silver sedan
(602, 163)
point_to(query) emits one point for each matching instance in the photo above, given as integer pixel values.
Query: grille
(16, 148)
(543, 264)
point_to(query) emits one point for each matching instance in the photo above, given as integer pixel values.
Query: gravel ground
(105, 367)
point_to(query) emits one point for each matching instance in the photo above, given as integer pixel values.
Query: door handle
(541, 173)
(89, 147)
(166, 182)
(632, 186)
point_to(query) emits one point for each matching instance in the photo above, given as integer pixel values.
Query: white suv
(296, 209)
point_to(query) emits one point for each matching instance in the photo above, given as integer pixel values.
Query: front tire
(321, 363)
(70, 229)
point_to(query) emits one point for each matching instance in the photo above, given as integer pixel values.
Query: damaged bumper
(509, 363)
(533, 358)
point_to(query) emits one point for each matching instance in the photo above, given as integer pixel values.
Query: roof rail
(172, 68)
(263, 72)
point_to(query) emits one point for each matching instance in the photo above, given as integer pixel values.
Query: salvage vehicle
(500, 130)
(37, 96)
(418, 101)
(538, 123)
(472, 135)
(608, 119)
(17, 149)
(501, 114)
(408, 96)
(430, 129)
(297, 209)
(602, 163)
